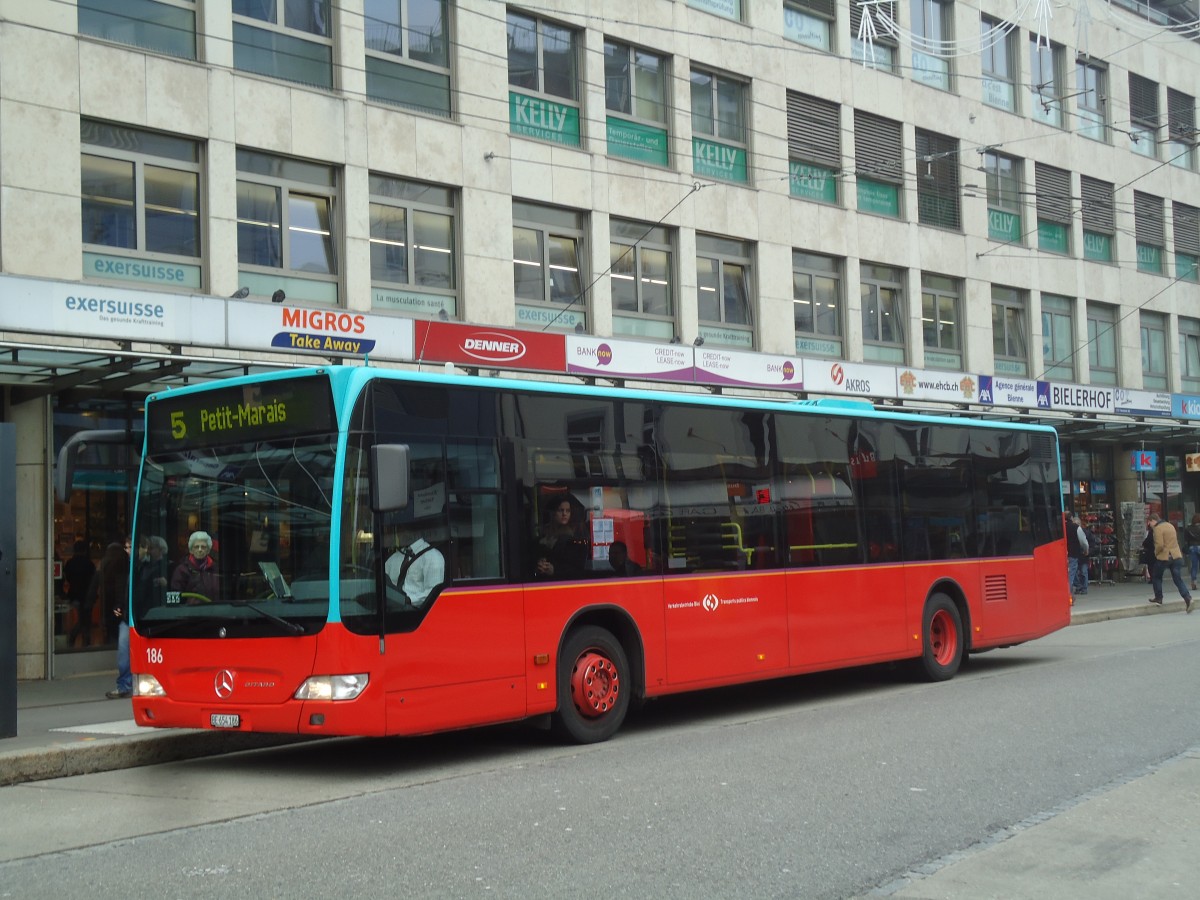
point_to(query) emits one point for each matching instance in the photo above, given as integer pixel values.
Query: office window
(547, 265)
(999, 64)
(1150, 233)
(1091, 99)
(718, 126)
(543, 79)
(1099, 221)
(1153, 328)
(810, 22)
(408, 53)
(1058, 338)
(140, 205)
(727, 9)
(1181, 128)
(932, 32)
(164, 26)
(814, 148)
(286, 219)
(1102, 343)
(1010, 336)
(636, 94)
(289, 40)
(941, 321)
(725, 291)
(871, 43)
(881, 290)
(878, 167)
(1186, 229)
(1003, 176)
(412, 247)
(938, 200)
(817, 303)
(642, 279)
(1143, 116)
(1054, 208)
(1046, 79)
(1189, 354)
(542, 57)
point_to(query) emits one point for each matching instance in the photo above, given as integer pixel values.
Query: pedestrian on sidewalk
(1146, 554)
(1192, 536)
(1077, 556)
(1167, 555)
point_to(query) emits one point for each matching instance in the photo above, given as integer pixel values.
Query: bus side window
(474, 507)
(475, 530)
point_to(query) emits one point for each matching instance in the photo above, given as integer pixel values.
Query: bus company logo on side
(711, 602)
(493, 346)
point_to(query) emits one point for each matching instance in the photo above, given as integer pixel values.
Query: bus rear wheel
(942, 631)
(593, 686)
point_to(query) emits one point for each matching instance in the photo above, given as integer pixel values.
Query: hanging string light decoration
(878, 20)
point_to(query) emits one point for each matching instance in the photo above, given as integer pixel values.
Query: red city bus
(400, 553)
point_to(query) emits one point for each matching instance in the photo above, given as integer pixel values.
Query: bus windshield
(233, 540)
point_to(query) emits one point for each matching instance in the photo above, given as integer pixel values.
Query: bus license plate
(224, 720)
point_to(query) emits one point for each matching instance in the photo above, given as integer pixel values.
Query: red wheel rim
(943, 638)
(595, 684)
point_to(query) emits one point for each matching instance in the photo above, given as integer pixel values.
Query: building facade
(918, 204)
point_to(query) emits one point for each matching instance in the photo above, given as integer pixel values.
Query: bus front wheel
(942, 632)
(593, 686)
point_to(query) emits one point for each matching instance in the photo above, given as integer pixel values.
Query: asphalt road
(817, 787)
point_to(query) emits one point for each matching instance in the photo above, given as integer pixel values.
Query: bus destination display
(263, 411)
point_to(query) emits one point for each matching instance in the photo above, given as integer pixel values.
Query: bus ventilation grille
(995, 587)
(1042, 449)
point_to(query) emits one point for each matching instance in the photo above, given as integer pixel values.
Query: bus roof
(349, 381)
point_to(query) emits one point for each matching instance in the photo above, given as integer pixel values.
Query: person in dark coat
(112, 593)
(561, 551)
(151, 577)
(78, 572)
(197, 574)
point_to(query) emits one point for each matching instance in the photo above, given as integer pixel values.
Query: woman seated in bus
(561, 551)
(197, 574)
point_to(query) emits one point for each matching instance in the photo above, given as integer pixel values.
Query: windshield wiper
(292, 627)
(152, 630)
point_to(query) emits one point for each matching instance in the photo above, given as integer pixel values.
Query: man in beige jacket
(1167, 555)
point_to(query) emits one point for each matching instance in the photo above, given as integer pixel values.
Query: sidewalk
(68, 727)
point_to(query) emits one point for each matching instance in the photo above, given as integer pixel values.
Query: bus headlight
(147, 686)
(332, 687)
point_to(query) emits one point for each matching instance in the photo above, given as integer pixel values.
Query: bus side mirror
(389, 477)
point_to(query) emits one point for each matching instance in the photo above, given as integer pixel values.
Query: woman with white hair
(197, 573)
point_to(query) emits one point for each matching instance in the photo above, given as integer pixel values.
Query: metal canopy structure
(31, 370)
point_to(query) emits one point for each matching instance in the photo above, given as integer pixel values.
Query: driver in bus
(196, 575)
(417, 567)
